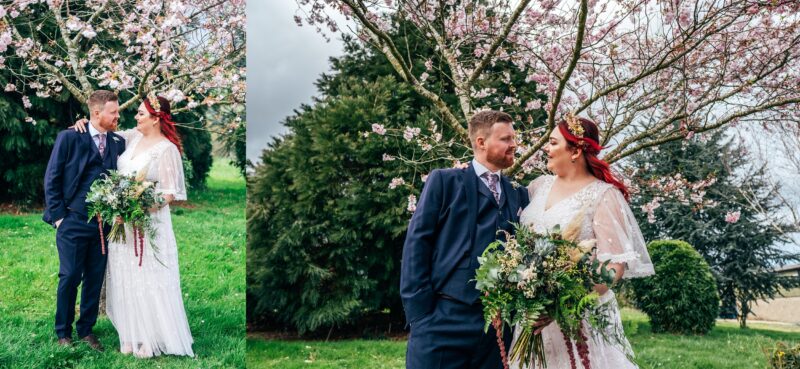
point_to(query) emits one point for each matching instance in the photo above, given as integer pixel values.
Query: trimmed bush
(682, 296)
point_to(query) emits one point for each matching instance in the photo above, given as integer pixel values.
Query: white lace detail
(618, 258)
(145, 304)
(608, 219)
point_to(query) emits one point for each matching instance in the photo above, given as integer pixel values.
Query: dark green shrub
(682, 296)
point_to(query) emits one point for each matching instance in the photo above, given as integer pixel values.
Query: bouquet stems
(117, 233)
(529, 344)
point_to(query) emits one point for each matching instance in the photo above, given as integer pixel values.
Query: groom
(76, 161)
(459, 213)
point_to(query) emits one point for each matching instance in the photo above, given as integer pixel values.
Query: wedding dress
(609, 220)
(144, 302)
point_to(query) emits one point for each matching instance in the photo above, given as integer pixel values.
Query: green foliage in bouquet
(682, 296)
(530, 276)
(783, 356)
(129, 198)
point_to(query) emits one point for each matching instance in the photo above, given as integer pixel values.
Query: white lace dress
(145, 303)
(609, 220)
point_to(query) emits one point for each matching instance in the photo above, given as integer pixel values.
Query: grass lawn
(726, 347)
(210, 229)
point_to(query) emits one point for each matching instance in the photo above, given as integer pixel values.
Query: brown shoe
(92, 341)
(65, 342)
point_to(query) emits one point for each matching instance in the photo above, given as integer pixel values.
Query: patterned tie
(492, 179)
(102, 145)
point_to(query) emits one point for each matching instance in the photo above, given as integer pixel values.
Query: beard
(110, 125)
(501, 160)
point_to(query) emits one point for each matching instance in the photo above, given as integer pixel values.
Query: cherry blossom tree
(648, 71)
(191, 52)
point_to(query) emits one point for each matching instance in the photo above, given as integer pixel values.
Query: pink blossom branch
(576, 53)
(395, 58)
(501, 37)
(617, 155)
(72, 55)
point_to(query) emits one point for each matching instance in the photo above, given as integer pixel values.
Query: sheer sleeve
(535, 185)
(170, 174)
(128, 134)
(619, 238)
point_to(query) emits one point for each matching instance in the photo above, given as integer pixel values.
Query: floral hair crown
(576, 130)
(153, 100)
(574, 125)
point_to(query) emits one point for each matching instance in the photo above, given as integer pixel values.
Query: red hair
(591, 148)
(168, 128)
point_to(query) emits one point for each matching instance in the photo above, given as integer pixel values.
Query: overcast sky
(283, 61)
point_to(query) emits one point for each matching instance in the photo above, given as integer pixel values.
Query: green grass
(726, 347)
(210, 230)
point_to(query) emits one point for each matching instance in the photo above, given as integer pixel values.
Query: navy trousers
(452, 336)
(81, 262)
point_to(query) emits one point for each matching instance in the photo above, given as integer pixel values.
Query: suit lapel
(483, 189)
(508, 196)
(87, 140)
(470, 181)
(88, 144)
(111, 151)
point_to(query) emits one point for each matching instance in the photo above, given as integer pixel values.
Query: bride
(144, 303)
(584, 183)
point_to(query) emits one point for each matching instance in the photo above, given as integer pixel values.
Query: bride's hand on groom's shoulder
(80, 125)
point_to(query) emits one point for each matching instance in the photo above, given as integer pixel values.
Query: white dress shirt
(480, 169)
(95, 136)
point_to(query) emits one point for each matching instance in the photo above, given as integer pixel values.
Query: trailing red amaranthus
(141, 246)
(497, 323)
(583, 347)
(568, 342)
(102, 237)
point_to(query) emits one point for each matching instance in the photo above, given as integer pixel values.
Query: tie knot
(491, 177)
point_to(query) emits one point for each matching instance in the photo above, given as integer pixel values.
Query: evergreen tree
(327, 211)
(742, 245)
(324, 230)
(25, 145)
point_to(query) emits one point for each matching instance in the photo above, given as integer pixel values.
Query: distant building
(784, 308)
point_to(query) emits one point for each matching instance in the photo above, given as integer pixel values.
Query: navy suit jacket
(71, 152)
(442, 232)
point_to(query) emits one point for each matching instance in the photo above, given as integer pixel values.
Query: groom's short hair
(483, 121)
(99, 98)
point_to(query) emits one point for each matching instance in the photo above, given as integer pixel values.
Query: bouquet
(531, 276)
(129, 198)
